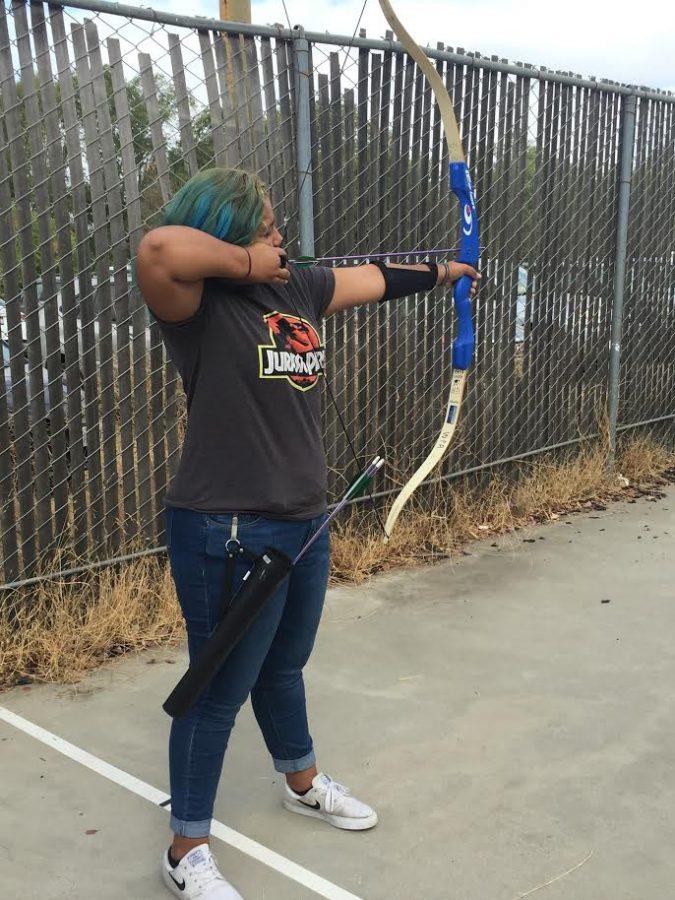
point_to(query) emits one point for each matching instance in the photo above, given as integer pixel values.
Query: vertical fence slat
(187, 138)
(93, 97)
(122, 312)
(20, 155)
(13, 393)
(221, 156)
(54, 479)
(283, 55)
(77, 306)
(113, 381)
(229, 113)
(163, 375)
(254, 105)
(138, 407)
(237, 59)
(71, 486)
(21, 312)
(275, 168)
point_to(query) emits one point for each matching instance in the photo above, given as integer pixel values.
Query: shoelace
(207, 872)
(334, 794)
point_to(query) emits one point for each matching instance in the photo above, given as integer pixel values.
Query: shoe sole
(338, 821)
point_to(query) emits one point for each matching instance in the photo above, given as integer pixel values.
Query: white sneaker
(333, 803)
(196, 877)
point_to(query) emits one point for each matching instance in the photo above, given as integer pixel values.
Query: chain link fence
(106, 110)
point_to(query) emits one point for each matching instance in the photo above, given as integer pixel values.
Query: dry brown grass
(471, 509)
(65, 628)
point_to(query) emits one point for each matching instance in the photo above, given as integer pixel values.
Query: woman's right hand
(173, 261)
(266, 264)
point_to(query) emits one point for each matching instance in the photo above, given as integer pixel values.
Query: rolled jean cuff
(190, 829)
(295, 765)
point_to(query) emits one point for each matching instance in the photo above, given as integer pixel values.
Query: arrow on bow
(464, 344)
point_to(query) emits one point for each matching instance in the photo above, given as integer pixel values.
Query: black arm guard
(404, 282)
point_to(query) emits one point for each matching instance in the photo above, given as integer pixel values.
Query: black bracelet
(250, 262)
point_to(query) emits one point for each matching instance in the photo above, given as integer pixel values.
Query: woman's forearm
(190, 255)
(358, 285)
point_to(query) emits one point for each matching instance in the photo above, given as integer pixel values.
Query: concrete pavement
(505, 721)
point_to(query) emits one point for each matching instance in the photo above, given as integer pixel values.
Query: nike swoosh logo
(315, 805)
(179, 884)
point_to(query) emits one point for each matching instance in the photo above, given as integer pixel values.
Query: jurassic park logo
(295, 353)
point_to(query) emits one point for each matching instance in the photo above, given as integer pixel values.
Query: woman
(243, 330)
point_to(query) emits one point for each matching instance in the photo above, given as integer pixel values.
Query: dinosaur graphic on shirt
(295, 353)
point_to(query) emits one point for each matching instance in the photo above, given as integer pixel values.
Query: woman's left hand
(450, 272)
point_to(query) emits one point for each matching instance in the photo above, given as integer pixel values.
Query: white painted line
(240, 842)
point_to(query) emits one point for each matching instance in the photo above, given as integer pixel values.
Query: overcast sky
(627, 42)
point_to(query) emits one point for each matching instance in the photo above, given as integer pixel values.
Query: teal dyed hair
(226, 203)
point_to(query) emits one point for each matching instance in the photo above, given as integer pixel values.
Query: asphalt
(509, 713)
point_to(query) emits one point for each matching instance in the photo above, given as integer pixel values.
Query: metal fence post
(303, 143)
(625, 176)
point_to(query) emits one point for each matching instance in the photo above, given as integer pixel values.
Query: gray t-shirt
(252, 361)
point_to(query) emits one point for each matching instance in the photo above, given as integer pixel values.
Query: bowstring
(348, 58)
(327, 381)
(310, 74)
(345, 431)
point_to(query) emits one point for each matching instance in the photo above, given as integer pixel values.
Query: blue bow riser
(464, 345)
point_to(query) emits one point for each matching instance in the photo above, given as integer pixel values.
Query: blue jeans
(267, 663)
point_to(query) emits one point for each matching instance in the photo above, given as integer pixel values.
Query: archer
(243, 329)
